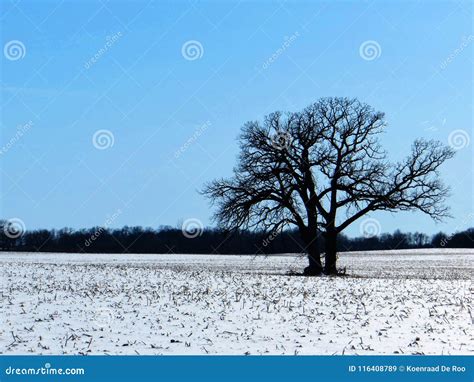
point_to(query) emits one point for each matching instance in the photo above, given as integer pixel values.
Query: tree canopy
(320, 170)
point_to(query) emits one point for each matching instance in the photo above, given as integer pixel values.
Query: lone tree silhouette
(321, 169)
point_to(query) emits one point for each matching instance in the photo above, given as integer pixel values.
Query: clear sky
(173, 82)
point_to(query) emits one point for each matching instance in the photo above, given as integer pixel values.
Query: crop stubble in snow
(402, 303)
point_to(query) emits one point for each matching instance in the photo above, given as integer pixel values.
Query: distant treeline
(172, 240)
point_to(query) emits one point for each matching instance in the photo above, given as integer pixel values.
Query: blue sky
(81, 67)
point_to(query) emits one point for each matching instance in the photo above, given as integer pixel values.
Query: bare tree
(322, 169)
(355, 177)
(273, 184)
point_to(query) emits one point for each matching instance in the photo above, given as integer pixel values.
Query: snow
(391, 302)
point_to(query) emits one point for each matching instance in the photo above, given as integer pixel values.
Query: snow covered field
(393, 302)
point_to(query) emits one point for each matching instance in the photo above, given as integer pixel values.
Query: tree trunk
(331, 252)
(315, 267)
